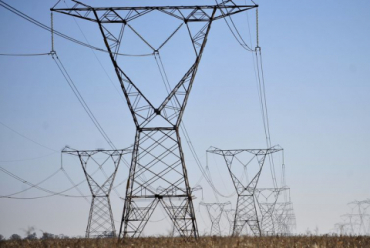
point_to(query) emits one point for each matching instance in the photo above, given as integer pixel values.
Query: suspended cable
(96, 57)
(74, 184)
(14, 131)
(43, 26)
(237, 36)
(261, 84)
(33, 186)
(262, 93)
(24, 54)
(52, 193)
(26, 159)
(81, 100)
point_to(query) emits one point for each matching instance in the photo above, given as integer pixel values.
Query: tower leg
(246, 213)
(267, 222)
(158, 174)
(100, 223)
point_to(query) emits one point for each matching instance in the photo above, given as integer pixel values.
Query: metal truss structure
(284, 218)
(246, 210)
(100, 222)
(358, 219)
(343, 228)
(230, 215)
(267, 199)
(361, 209)
(157, 158)
(357, 222)
(215, 211)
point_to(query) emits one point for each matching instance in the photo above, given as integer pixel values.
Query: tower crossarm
(233, 152)
(196, 13)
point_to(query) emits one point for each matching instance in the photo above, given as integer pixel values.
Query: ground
(294, 241)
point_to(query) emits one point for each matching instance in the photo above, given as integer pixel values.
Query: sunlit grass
(165, 242)
(295, 241)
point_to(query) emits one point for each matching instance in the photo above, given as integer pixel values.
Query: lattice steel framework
(215, 211)
(358, 218)
(266, 199)
(246, 210)
(284, 218)
(230, 215)
(100, 222)
(157, 158)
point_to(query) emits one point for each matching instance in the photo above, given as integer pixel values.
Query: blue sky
(316, 58)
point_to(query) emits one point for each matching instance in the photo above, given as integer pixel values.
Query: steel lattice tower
(157, 157)
(230, 216)
(100, 222)
(267, 199)
(284, 218)
(246, 209)
(215, 211)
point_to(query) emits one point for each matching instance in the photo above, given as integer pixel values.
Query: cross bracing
(157, 155)
(100, 222)
(246, 207)
(215, 211)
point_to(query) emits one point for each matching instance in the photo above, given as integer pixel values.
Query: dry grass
(164, 242)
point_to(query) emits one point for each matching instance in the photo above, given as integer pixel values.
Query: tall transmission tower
(284, 218)
(343, 228)
(362, 219)
(215, 211)
(157, 156)
(246, 209)
(230, 216)
(100, 222)
(267, 199)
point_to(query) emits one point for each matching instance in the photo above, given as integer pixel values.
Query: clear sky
(316, 58)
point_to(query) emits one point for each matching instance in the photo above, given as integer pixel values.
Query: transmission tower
(230, 216)
(100, 222)
(343, 228)
(215, 211)
(246, 211)
(284, 218)
(359, 213)
(267, 199)
(157, 158)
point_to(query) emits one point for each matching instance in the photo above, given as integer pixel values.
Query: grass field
(164, 242)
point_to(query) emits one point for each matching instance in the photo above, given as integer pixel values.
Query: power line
(81, 100)
(35, 142)
(33, 186)
(240, 40)
(24, 54)
(27, 159)
(43, 26)
(101, 65)
(52, 193)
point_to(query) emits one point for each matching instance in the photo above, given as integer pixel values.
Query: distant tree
(15, 237)
(46, 235)
(30, 232)
(31, 236)
(2, 237)
(61, 236)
